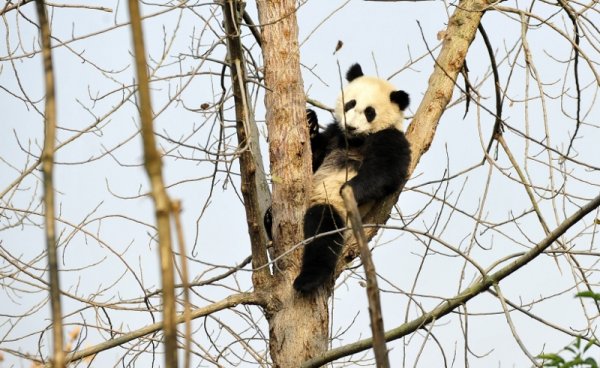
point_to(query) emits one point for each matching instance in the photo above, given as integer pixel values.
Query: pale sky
(107, 189)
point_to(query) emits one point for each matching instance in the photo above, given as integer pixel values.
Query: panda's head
(368, 104)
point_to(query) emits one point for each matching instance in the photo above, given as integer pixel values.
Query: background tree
(510, 182)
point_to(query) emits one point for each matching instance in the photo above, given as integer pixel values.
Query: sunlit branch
(153, 165)
(58, 359)
(229, 302)
(479, 286)
(461, 31)
(377, 329)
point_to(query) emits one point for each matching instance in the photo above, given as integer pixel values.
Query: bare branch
(58, 359)
(153, 165)
(462, 28)
(484, 283)
(229, 302)
(176, 207)
(8, 6)
(381, 353)
(254, 183)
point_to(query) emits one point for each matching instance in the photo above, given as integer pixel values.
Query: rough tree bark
(298, 326)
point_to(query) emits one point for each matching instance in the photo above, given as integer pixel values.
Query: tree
(515, 191)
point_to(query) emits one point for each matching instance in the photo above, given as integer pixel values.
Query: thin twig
(176, 208)
(571, 13)
(498, 121)
(513, 329)
(229, 302)
(538, 211)
(379, 347)
(9, 6)
(482, 284)
(462, 27)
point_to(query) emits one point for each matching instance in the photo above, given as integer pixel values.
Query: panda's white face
(365, 107)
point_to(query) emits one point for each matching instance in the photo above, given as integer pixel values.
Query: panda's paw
(313, 122)
(268, 222)
(307, 283)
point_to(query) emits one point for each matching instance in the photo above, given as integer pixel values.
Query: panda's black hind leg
(321, 254)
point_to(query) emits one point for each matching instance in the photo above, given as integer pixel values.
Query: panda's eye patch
(370, 114)
(349, 105)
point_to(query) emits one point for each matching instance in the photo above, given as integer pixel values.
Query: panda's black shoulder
(335, 136)
(387, 136)
(338, 139)
(333, 130)
(389, 142)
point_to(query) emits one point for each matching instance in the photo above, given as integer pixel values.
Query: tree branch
(10, 6)
(479, 286)
(255, 189)
(185, 283)
(229, 302)
(162, 203)
(461, 31)
(381, 353)
(47, 160)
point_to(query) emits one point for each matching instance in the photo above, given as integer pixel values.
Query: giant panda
(365, 148)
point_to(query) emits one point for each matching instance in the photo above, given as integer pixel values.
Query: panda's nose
(350, 128)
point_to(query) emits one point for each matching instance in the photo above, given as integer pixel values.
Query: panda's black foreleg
(321, 254)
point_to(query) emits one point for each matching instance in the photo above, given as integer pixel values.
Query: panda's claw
(313, 122)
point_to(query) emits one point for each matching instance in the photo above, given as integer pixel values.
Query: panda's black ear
(400, 98)
(354, 72)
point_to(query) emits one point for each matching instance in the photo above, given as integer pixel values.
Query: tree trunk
(298, 325)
